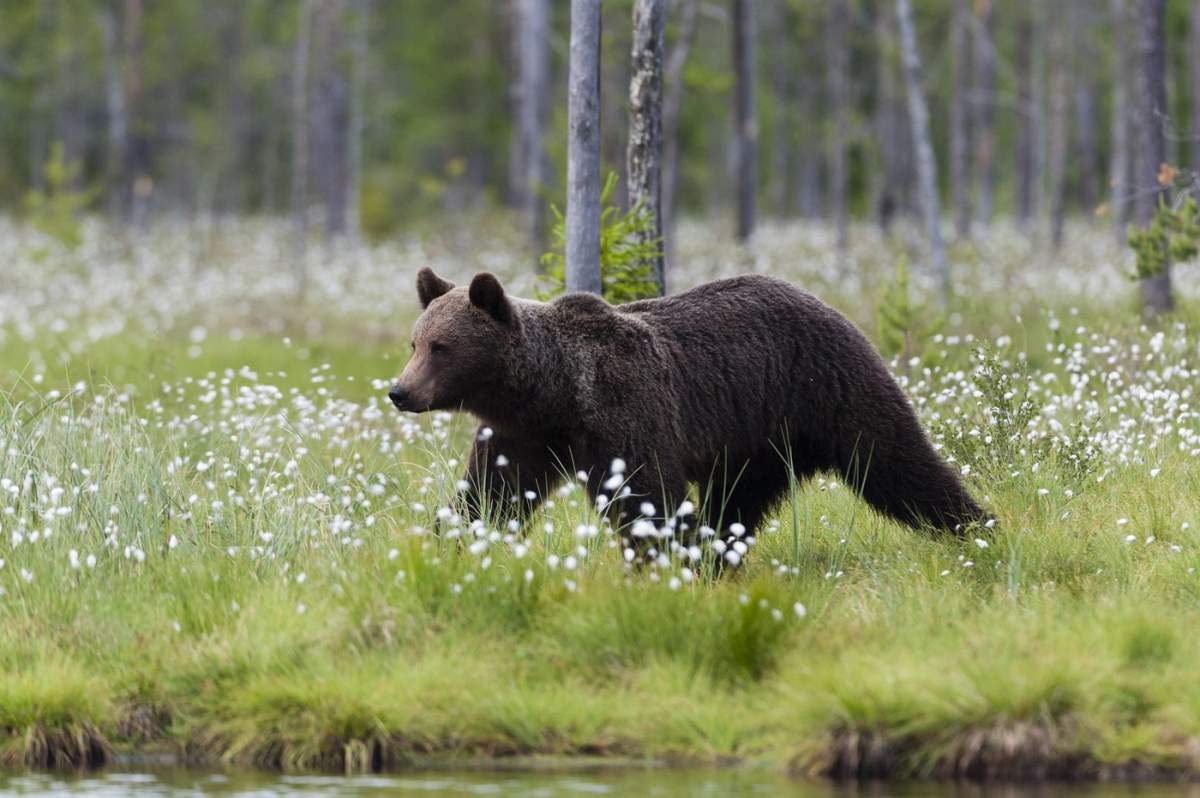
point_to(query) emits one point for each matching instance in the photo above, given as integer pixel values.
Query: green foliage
(1005, 435)
(626, 253)
(902, 321)
(307, 652)
(55, 210)
(377, 216)
(1172, 235)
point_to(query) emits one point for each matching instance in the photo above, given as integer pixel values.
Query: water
(601, 782)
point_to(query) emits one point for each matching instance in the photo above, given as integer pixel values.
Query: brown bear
(737, 385)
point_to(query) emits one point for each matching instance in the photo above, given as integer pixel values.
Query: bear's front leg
(506, 478)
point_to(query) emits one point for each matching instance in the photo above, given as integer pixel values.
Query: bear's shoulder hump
(582, 303)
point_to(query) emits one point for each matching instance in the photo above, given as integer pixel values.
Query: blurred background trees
(372, 117)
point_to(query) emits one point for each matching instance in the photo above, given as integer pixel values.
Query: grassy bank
(217, 542)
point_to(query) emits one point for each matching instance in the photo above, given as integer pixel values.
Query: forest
(379, 115)
(232, 561)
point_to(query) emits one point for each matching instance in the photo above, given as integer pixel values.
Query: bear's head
(457, 344)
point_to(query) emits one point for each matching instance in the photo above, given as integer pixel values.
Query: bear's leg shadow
(648, 491)
(744, 495)
(507, 478)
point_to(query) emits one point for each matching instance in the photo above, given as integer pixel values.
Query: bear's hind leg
(737, 502)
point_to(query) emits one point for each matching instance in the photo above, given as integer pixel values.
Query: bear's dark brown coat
(718, 386)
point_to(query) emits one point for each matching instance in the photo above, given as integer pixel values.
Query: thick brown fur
(720, 385)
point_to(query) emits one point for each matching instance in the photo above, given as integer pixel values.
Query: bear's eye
(412, 345)
(437, 347)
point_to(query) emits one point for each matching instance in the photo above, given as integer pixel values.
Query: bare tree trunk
(808, 163)
(891, 126)
(644, 156)
(176, 147)
(985, 99)
(114, 96)
(39, 122)
(516, 94)
(331, 122)
(1029, 144)
(745, 123)
(358, 118)
(1059, 100)
(1151, 151)
(836, 84)
(781, 91)
(1086, 155)
(960, 135)
(614, 110)
(1085, 142)
(276, 134)
(1038, 114)
(137, 151)
(1119, 161)
(1194, 59)
(926, 163)
(72, 101)
(583, 149)
(226, 188)
(672, 99)
(300, 122)
(533, 81)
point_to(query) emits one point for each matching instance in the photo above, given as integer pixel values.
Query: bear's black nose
(399, 397)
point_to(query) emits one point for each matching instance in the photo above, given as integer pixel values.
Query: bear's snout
(400, 397)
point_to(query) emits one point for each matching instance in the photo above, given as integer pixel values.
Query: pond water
(602, 782)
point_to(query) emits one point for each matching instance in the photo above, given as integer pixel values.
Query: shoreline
(1011, 754)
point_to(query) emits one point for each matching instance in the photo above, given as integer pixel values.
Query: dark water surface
(603, 782)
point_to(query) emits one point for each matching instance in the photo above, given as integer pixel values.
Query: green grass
(266, 590)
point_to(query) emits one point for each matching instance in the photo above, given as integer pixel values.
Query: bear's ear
(487, 294)
(430, 286)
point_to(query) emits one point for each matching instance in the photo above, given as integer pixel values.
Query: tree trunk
(39, 118)
(533, 81)
(330, 116)
(782, 73)
(672, 100)
(72, 101)
(1038, 117)
(176, 146)
(614, 111)
(1194, 58)
(276, 134)
(644, 156)
(1059, 99)
(1151, 150)
(892, 129)
(358, 118)
(926, 163)
(229, 183)
(745, 123)
(114, 96)
(1085, 143)
(137, 150)
(300, 122)
(984, 105)
(837, 80)
(1029, 144)
(583, 149)
(1119, 157)
(960, 135)
(808, 164)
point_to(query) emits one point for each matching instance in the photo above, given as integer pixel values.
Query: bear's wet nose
(399, 397)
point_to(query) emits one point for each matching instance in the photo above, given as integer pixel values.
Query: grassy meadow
(216, 536)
